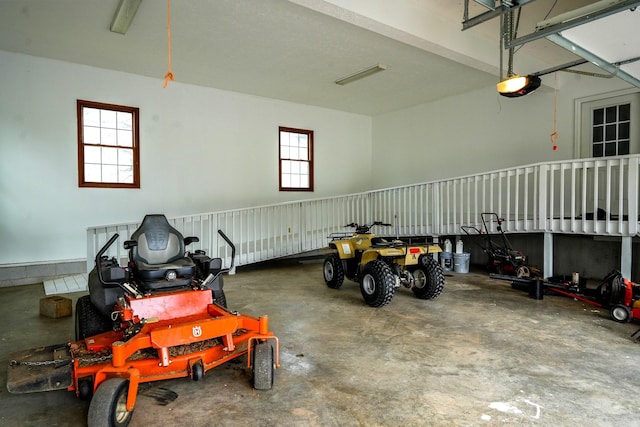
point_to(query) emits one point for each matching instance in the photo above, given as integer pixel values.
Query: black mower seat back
(159, 255)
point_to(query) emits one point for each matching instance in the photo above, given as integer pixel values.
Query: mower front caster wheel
(621, 313)
(108, 408)
(263, 366)
(197, 371)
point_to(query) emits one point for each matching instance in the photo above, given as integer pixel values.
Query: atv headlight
(171, 275)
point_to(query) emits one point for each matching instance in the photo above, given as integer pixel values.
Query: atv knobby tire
(108, 408)
(333, 271)
(377, 283)
(89, 321)
(429, 280)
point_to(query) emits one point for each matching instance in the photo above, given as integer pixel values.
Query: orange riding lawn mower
(163, 316)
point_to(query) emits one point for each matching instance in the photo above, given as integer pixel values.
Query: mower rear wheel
(263, 366)
(221, 300)
(108, 408)
(89, 321)
(429, 279)
(333, 271)
(377, 284)
(621, 313)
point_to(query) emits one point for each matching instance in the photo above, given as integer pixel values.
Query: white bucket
(446, 261)
(461, 262)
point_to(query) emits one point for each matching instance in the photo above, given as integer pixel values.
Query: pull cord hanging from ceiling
(554, 134)
(169, 75)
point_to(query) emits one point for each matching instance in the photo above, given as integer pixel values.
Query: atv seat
(157, 251)
(381, 242)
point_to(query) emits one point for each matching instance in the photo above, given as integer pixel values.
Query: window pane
(623, 148)
(610, 148)
(611, 114)
(90, 116)
(295, 181)
(598, 134)
(304, 168)
(623, 131)
(91, 135)
(109, 156)
(108, 119)
(125, 157)
(124, 120)
(125, 174)
(92, 154)
(295, 167)
(92, 173)
(285, 153)
(597, 150)
(286, 166)
(624, 112)
(286, 180)
(109, 173)
(304, 181)
(598, 116)
(108, 136)
(610, 133)
(125, 138)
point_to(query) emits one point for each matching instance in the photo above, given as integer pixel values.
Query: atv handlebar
(362, 229)
(355, 225)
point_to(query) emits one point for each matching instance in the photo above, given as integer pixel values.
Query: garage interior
(425, 142)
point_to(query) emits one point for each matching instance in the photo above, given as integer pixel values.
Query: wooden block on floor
(55, 306)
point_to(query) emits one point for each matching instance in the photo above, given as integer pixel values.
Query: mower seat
(157, 251)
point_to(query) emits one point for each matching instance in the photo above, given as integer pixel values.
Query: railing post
(632, 194)
(547, 261)
(625, 257)
(437, 209)
(543, 173)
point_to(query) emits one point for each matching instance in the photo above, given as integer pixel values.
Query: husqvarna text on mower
(381, 265)
(162, 316)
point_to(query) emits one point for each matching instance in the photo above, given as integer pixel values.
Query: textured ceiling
(272, 48)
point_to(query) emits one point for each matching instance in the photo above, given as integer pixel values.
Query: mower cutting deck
(156, 331)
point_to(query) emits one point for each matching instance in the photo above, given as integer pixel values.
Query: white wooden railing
(555, 197)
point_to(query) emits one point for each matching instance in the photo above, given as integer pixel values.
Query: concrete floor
(482, 354)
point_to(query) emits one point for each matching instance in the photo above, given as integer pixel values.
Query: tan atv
(381, 265)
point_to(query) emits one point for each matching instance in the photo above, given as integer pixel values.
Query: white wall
(479, 131)
(202, 150)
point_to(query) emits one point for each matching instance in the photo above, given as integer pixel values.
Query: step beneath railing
(66, 284)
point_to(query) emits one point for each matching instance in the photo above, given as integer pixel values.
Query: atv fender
(344, 248)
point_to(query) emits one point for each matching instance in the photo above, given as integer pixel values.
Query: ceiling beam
(590, 15)
(486, 16)
(578, 50)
